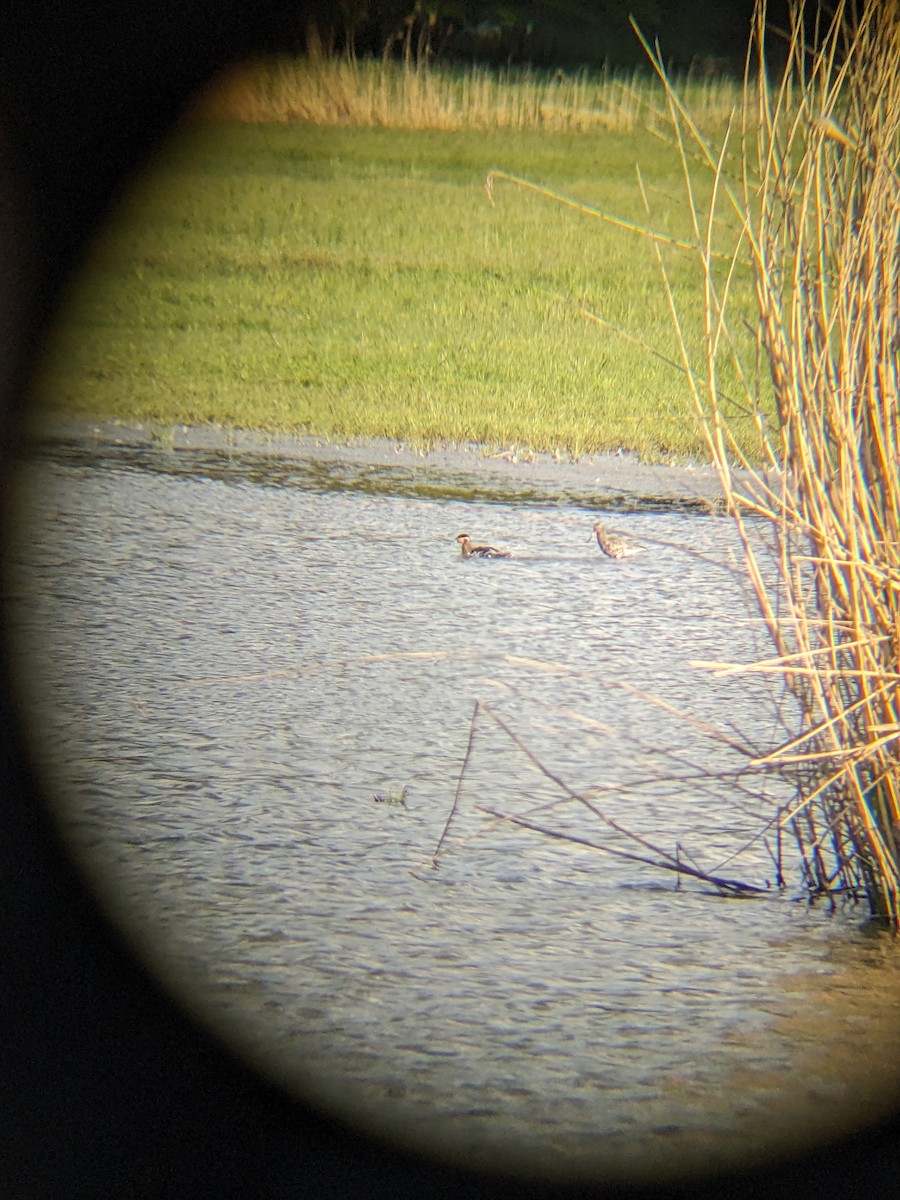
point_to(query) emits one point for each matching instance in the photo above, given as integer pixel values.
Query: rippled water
(255, 696)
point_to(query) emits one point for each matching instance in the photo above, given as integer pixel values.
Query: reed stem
(817, 204)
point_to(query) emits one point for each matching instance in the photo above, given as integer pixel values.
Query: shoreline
(619, 479)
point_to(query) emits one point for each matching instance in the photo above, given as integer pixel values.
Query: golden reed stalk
(817, 203)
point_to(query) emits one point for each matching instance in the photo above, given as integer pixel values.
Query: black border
(107, 1088)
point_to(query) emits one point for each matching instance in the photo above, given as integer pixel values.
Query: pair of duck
(611, 545)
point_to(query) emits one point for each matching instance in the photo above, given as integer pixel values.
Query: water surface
(254, 696)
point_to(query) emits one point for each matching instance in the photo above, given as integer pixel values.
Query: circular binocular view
(454, 591)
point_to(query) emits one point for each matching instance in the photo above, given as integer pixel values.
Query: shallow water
(254, 695)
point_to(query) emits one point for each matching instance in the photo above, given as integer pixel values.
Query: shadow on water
(321, 475)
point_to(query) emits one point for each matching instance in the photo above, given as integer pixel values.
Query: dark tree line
(545, 33)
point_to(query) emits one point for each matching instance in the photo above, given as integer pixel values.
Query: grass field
(352, 282)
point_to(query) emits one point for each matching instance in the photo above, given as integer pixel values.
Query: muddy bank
(471, 472)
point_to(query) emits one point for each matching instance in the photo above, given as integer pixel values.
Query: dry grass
(366, 93)
(818, 207)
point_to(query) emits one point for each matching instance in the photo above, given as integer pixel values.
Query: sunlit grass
(357, 283)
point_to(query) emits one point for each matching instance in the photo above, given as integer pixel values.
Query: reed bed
(817, 201)
(389, 94)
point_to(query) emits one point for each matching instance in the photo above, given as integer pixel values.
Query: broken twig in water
(459, 781)
(678, 866)
(657, 856)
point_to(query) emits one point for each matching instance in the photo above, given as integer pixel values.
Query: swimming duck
(471, 551)
(613, 546)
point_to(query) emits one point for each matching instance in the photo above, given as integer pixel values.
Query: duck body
(612, 545)
(470, 550)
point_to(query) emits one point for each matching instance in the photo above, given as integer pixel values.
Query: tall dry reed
(817, 205)
(415, 95)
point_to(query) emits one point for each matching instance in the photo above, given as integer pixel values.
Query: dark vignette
(108, 1090)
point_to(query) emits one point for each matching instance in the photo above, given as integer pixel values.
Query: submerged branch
(459, 783)
(668, 863)
(657, 856)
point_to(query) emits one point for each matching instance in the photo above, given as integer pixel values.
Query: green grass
(352, 282)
